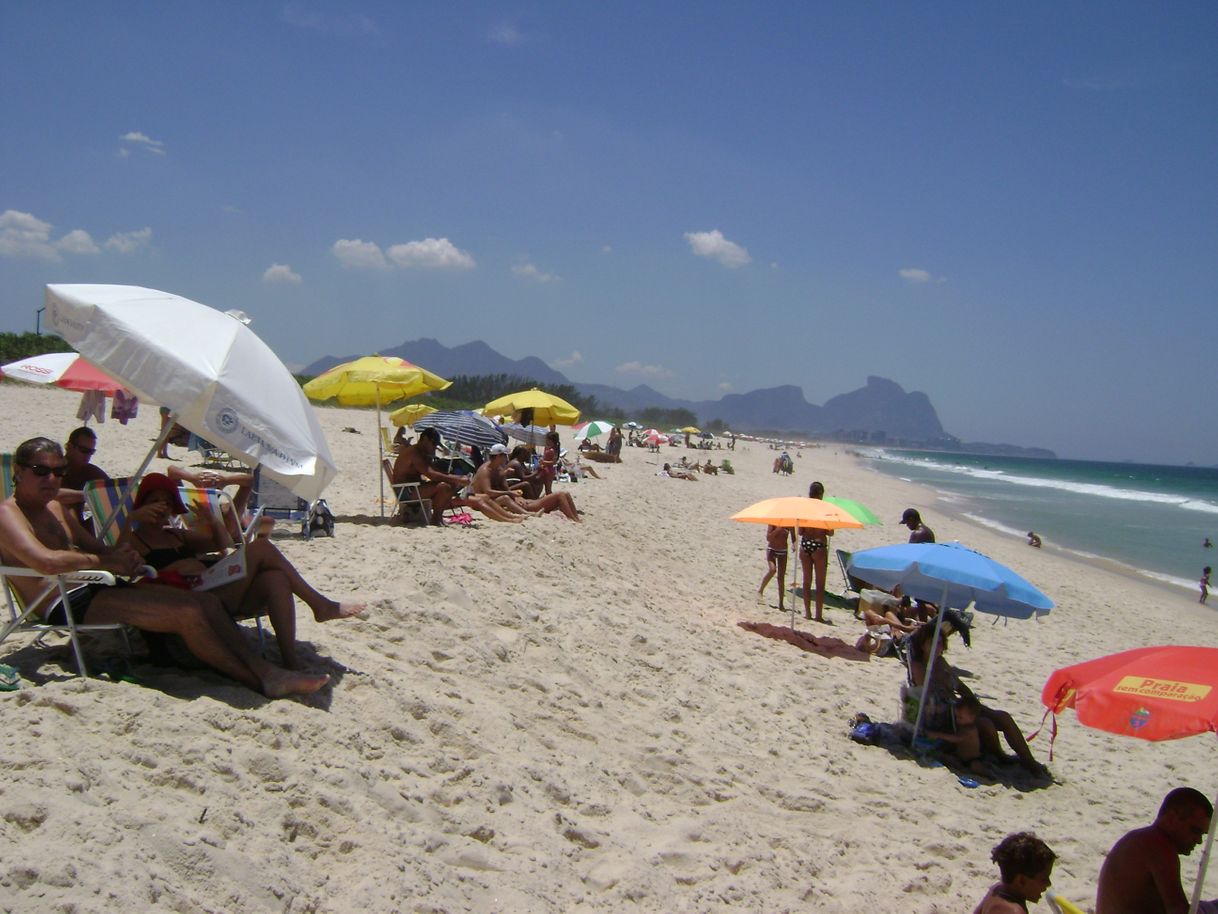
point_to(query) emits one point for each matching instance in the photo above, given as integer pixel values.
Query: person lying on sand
(36, 532)
(269, 585)
(489, 480)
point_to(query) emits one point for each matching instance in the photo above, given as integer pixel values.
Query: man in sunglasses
(37, 532)
(81, 446)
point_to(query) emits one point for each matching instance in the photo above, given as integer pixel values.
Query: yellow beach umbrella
(408, 413)
(374, 379)
(547, 408)
(691, 430)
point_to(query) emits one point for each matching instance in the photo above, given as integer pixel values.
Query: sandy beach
(555, 717)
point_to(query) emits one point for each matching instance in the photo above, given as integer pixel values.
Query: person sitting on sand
(709, 468)
(269, 585)
(488, 480)
(518, 471)
(1034, 540)
(946, 684)
(413, 464)
(1025, 864)
(1142, 871)
(36, 532)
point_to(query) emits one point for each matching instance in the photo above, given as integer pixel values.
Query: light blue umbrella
(949, 575)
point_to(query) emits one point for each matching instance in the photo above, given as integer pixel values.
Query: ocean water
(1151, 519)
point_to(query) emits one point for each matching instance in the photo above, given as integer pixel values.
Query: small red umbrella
(63, 369)
(1151, 693)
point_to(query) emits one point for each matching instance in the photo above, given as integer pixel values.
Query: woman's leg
(272, 590)
(805, 561)
(820, 560)
(262, 555)
(1005, 724)
(770, 571)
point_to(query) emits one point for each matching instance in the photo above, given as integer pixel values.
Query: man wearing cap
(37, 533)
(413, 464)
(488, 480)
(919, 532)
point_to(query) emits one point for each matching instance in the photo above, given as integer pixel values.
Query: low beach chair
(408, 500)
(21, 618)
(277, 501)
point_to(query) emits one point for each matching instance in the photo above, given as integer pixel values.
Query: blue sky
(1013, 208)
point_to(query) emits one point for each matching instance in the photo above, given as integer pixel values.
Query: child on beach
(776, 561)
(1026, 864)
(1205, 582)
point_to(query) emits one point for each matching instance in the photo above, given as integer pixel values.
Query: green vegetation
(14, 346)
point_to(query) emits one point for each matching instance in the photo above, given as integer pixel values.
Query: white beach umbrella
(214, 373)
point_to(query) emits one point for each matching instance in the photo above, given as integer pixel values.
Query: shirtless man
(36, 532)
(79, 451)
(413, 464)
(1141, 874)
(488, 480)
(918, 531)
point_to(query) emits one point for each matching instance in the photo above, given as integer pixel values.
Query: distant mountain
(476, 358)
(881, 412)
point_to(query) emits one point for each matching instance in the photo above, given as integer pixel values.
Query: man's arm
(1164, 866)
(22, 547)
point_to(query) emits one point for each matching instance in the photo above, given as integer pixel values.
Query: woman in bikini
(814, 557)
(776, 561)
(271, 582)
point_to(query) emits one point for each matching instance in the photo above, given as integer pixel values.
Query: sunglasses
(41, 469)
(90, 451)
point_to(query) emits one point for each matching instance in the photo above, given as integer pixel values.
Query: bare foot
(336, 610)
(282, 683)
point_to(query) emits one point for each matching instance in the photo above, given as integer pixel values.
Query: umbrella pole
(805, 582)
(1205, 859)
(930, 667)
(380, 450)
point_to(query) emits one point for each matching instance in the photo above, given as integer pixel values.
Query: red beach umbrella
(1151, 693)
(63, 369)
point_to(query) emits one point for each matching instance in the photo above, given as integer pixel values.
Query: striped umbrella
(463, 426)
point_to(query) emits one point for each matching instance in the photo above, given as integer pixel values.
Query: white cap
(497, 449)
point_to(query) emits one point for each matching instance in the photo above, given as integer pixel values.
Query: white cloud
(78, 241)
(916, 276)
(25, 235)
(359, 255)
(129, 242)
(431, 253)
(715, 246)
(281, 272)
(725, 386)
(345, 25)
(573, 359)
(506, 35)
(144, 141)
(529, 271)
(653, 371)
